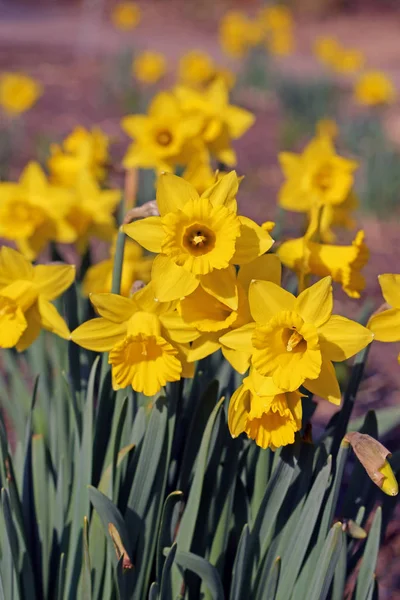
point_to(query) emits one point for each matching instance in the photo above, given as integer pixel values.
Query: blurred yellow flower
(196, 68)
(237, 33)
(281, 43)
(223, 122)
(126, 15)
(33, 212)
(337, 216)
(200, 173)
(295, 340)
(386, 324)
(269, 416)
(149, 67)
(348, 60)
(273, 18)
(82, 150)
(326, 50)
(91, 214)
(146, 340)
(135, 267)
(165, 137)
(26, 293)
(374, 88)
(342, 263)
(318, 176)
(198, 239)
(18, 92)
(327, 127)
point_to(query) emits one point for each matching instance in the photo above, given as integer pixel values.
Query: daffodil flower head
(18, 92)
(267, 414)
(374, 88)
(196, 68)
(386, 324)
(149, 67)
(237, 33)
(126, 15)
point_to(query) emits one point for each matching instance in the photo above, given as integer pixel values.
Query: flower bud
(120, 549)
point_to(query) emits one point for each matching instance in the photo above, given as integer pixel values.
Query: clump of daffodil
(33, 212)
(374, 88)
(223, 122)
(277, 26)
(26, 293)
(135, 267)
(386, 324)
(338, 58)
(92, 212)
(146, 340)
(18, 93)
(317, 177)
(163, 138)
(212, 318)
(149, 67)
(198, 239)
(126, 16)
(82, 150)
(342, 263)
(267, 414)
(237, 33)
(326, 50)
(294, 340)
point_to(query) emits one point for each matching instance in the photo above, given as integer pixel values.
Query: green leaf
(165, 589)
(86, 568)
(326, 565)
(153, 593)
(339, 579)
(118, 262)
(239, 565)
(366, 573)
(12, 539)
(269, 580)
(201, 567)
(165, 534)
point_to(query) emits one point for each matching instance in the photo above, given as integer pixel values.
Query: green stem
(118, 263)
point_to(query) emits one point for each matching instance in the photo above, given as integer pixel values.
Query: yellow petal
(204, 346)
(265, 268)
(326, 386)
(239, 120)
(252, 242)
(13, 265)
(341, 338)
(173, 193)
(177, 329)
(240, 338)
(221, 283)
(34, 326)
(390, 285)
(171, 282)
(315, 303)
(224, 191)
(267, 299)
(240, 361)
(148, 232)
(144, 322)
(51, 319)
(113, 307)
(99, 334)
(12, 322)
(238, 411)
(22, 292)
(53, 280)
(386, 325)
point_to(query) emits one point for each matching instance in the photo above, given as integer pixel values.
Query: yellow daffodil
(386, 324)
(198, 239)
(126, 16)
(82, 150)
(135, 267)
(25, 299)
(316, 177)
(18, 92)
(294, 340)
(33, 212)
(237, 33)
(275, 18)
(326, 50)
(223, 122)
(165, 137)
(200, 173)
(212, 318)
(196, 68)
(145, 339)
(348, 60)
(268, 415)
(149, 67)
(91, 214)
(327, 127)
(342, 263)
(374, 88)
(339, 215)
(280, 43)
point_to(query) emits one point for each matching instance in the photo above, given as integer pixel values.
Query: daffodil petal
(267, 267)
(114, 307)
(22, 291)
(386, 325)
(221, 283)
(267, 299)
(326, 385)
(177, 329)
(98, 334)
(341, 338)
(224, 191)
(173, 193)
(240, 338)
(240, 361)
(34, 326)
(52, 280)
(13, 265)
(148, 232)
(315, 303)
(252, 242)
(239, 120)
(171, 282)
(238, 411)
(390, 285)
(51, 319)
(203, 346)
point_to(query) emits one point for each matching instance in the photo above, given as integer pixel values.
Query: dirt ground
(69, 50)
